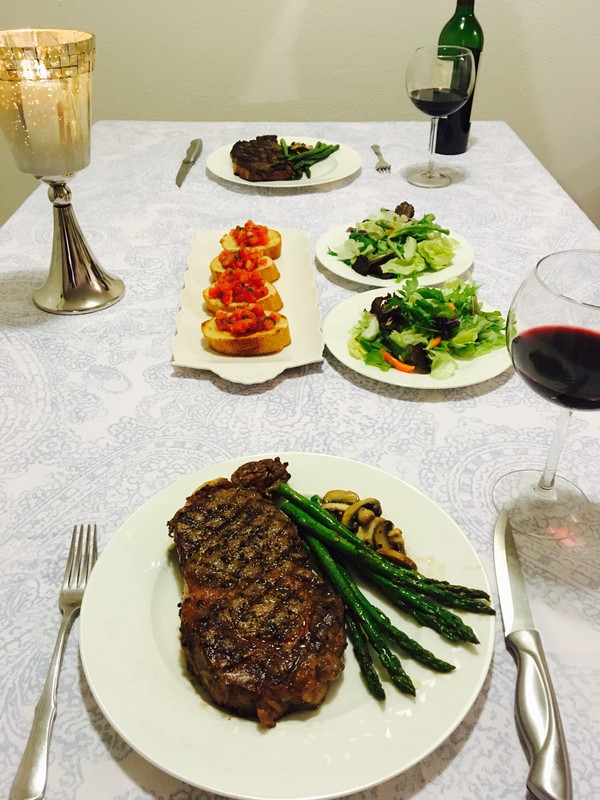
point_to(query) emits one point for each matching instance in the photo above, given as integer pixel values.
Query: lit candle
(45, 96)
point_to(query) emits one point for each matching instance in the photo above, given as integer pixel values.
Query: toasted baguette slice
(270, 302)
(272, 248)
(268, 271)
(250, 344)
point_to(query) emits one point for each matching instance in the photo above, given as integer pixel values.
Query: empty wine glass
(553, 335)
(439, 81)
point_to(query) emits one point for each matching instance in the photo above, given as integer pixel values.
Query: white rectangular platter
(300, 305)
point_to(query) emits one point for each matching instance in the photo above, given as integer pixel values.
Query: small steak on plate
(260, 159)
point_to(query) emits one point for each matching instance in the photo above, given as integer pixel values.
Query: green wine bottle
(462, 30)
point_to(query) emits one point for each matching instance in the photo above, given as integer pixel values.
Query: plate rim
(315, 727)
(353, 156)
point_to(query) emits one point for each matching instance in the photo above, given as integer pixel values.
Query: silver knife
(192, 155)
(536, 709)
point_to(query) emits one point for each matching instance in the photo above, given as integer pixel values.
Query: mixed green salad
(395, 245)
(426, 329)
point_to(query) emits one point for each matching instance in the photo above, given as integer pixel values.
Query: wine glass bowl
(553, 336)
(554, 331)
(439, 81)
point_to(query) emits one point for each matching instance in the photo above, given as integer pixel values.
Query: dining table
(103, 413)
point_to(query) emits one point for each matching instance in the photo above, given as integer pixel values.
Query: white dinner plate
(131, 654)
(333, 239)
(344, 317)
(300, 305)
(341, 164)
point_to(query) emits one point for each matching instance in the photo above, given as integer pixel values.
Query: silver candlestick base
(76, 283)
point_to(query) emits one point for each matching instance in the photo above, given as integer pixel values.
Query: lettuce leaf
(437, 252)
(442, 365)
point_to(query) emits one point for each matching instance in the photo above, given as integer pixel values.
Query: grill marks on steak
(263, 633)
(260, 159)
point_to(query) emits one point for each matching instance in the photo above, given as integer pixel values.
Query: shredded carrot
(395, 362)
(434, 342)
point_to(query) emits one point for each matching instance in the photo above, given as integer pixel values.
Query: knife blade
(191, 156)
(536, 708)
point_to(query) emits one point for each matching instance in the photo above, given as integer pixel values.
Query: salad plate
(343, 318)
(341, 164)
(462, 261)
(133, 661)
(300, 305)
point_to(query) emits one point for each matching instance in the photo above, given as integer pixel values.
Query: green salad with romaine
(395, 245)
(428, 330)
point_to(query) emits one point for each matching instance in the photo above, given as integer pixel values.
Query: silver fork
(32, 774)
(381, 165)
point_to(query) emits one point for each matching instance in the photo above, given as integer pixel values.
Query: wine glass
(439, 81)
(553, 335)
(45, 101)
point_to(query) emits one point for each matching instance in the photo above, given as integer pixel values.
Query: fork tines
(381, 165)
(83, 553)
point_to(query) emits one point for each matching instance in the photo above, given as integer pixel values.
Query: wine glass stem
(545, 485)
(432, 138)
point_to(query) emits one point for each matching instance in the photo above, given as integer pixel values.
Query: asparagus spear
(446, 623)
(389, 660)
(360, 646)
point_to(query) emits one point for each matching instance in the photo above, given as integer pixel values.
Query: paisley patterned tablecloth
(95, 420)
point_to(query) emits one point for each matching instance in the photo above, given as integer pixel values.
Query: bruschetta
(247, 331)
(251, 235)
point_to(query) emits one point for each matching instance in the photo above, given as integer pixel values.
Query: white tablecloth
(95, 420)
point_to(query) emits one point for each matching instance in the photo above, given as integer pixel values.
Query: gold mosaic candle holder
(45, 101)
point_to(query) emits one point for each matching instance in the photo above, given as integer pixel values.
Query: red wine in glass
(553, 336)
(560, 363)
(438, 102)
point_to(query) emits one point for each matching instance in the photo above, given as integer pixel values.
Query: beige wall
(333, 60)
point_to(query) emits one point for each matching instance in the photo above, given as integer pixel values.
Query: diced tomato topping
(250, 235)
(248, 258)
(246, 319)
(238, 286)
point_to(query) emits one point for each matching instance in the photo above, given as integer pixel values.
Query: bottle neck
(464, 11)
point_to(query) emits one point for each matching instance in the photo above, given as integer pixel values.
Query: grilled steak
(260, 159)
(261, 631)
